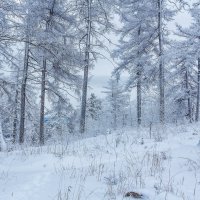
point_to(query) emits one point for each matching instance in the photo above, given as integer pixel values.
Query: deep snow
(107, 166)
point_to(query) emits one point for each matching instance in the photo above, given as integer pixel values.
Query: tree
(8, 62)
(191, 42)
(58, 41)
(6, 13)
(143, 37)
(52, 54)
(118, 100)
(15, 106)
(95, 15)
(165, 14)
(182, 73)
(93, 107)
(136, 45)
(3, 145)
(28, 26)
(60, 119)
(7, 105)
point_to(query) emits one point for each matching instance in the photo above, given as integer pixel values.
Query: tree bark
(23, 92)
(139, 88)
(43, 81)
(86, 69)
(130, 112)
(42, 102)
(139, 99)
(15, 120)
(115, 112)
(198, 90)
(188, 95)
(3, 145)
(161, 65)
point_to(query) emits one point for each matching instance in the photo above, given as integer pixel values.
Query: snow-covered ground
(165, 167)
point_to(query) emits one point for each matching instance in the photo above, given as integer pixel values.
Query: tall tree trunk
(43, 81)
(115, 118)
(139, 99)
(114, 111)
(3, 145)
(42, 102)
(188, 95)
(130, 112)
(86, 68)
(115, 86)
(161, 65)
(139, 88)
(15, 120)
(23, 92)
(198, 90)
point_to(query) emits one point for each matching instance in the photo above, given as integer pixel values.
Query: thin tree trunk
(115, 114)
(130, 111)
(139, 99)
(86, 69)
(114, 96)
(161, 65)
(15, 120)
(139, 92)
(3, 145)
(43, 82)
(23, 92)
(198, 90)
(115, 120)
(188, 95)
(42, 102)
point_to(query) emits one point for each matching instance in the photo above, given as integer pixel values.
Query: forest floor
(165, 167)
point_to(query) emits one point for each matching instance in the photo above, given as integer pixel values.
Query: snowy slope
(107, 167)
